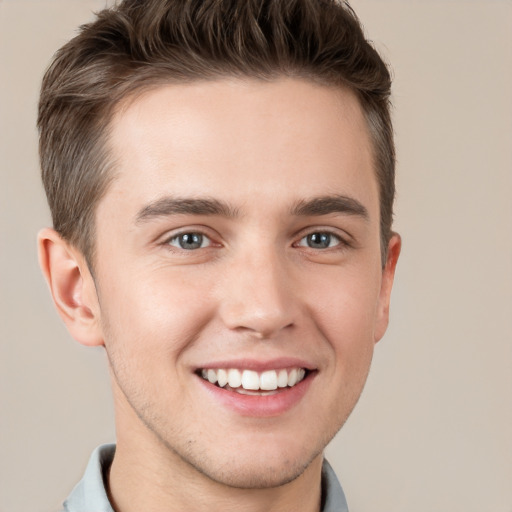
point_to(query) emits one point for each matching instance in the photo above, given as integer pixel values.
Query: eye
(320, 240)
(190, 241)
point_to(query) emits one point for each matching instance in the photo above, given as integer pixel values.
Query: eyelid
(200, 230)
(177, 237)
(345, 239)
(333, 235)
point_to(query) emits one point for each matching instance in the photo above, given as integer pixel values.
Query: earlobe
(388, 275)
(72, 287)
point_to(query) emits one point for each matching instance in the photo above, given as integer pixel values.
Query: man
(221, 180)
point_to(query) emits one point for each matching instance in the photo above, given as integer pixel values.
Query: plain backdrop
(433, 429)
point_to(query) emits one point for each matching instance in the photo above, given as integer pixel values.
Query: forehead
(242, 140)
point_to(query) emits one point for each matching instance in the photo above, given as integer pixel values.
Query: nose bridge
(257, 294)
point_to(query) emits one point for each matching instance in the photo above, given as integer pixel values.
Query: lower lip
(260, 406)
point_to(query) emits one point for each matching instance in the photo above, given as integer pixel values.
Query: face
(238, 273)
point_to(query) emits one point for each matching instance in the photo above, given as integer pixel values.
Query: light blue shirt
(90, 495)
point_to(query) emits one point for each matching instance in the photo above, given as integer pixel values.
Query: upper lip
(259, 366)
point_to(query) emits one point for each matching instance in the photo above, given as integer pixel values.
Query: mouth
(250, 382)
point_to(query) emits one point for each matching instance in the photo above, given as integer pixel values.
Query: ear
(72, 287)
(388, 275)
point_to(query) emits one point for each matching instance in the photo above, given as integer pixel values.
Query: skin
(255, 290)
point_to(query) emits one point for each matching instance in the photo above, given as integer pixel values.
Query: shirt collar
(90, 493)
(333, 497)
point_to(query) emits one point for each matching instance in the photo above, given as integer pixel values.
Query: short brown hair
(142, 43)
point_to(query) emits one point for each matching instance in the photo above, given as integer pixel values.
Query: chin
(259, 463)
(257, 475)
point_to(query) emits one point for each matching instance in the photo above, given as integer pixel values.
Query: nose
(258, 295)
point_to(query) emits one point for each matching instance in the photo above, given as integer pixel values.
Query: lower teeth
(243, 391)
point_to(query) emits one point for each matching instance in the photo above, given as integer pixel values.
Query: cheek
(154, 313)
(345, 312)
(347, 300)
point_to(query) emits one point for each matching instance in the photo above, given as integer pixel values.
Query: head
(140, 45)
(225, 170)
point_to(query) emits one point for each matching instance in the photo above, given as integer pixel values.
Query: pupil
(319, 240)
(191, 241)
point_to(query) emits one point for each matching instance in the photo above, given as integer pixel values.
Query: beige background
(433, 430)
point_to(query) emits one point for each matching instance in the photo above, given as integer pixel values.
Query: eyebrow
(326, 205)
(166, 206)
(316, 206)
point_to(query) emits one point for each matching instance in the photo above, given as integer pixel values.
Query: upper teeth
(248, 379)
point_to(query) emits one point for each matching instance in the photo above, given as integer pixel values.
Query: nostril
(263, 332)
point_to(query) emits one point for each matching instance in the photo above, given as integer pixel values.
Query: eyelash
(339, 241)
(196, 234)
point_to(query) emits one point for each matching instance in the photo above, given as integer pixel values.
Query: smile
(248, 382)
